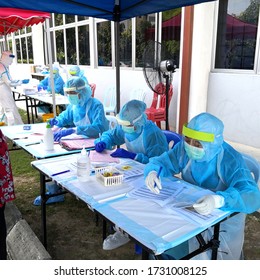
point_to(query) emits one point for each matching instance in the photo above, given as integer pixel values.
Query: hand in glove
(100, 146)
(153, 182)
(64, 132)
(123, 153)
(53, 122)
(208, 203)
(25, 81)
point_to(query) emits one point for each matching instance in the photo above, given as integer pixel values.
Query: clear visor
(127, 123)
(197, 135)
(73, 90)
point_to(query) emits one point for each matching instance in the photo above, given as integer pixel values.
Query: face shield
(74, 71)
(192, 142)
(127, 126)
(73, 94)
(7, 58)
(207, 130)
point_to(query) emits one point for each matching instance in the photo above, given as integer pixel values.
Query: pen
(158, 176)
(62, 172)
(20, 138)
(2, 117)
(35, 143)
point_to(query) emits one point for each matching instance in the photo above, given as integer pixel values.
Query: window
(236, 34)
(23, 43)
(71, 39)
(145, 31)
(171, 33)
(104, 43)
(125, 56)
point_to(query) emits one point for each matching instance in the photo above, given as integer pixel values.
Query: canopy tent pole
(117, 55)
(50, 66)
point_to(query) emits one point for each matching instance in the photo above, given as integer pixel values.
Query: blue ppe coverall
(221, 170)
(147, 141)
(87, 116)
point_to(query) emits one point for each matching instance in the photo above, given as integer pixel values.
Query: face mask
(73, 99)
(128, 129)
(194, 152)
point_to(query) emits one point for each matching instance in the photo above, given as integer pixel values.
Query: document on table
(130, 169)
(177, 196)
(102, 158)
(169, 192)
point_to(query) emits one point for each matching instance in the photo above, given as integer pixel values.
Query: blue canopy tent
(114, 10)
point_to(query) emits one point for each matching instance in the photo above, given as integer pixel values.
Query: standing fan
(158, 67)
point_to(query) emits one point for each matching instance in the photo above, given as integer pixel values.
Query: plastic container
(48, 140)
(109, 176)
(83, 166)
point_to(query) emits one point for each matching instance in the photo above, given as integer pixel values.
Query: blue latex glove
(39, 87)
(64, 132)
(25, 81)
(123, 154)
(53, 122)
(100, 146)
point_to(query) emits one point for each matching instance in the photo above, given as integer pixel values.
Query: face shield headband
(198, 135)
(73, 89)
(127, 123)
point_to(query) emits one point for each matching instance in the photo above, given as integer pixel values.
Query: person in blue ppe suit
(75, 71)
(45, 84)
(143, 140)
(204, 159)
(142, 137)
(84, 115)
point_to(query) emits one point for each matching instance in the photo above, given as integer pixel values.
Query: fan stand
(166, 76)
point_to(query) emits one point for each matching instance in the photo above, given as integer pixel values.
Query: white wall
(235, 99)
(202, 46)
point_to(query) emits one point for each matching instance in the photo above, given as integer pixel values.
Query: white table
(31, 99)
(31, 140)
(154, 227)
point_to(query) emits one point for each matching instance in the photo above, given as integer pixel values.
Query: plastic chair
(93, 88)
(172, 137)
(109, 101)
(112, 121)
(253, 165)
(138, 94)
(157, 111)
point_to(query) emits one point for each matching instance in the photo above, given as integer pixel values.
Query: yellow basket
(45, 117)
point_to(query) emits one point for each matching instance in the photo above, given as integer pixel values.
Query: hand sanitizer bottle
(48, 140)
(83, 166)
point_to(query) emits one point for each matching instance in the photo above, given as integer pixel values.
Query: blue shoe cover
(54, 199)
(52, 188)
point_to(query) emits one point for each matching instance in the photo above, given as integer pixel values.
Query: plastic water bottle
(48, 140)
(83, 166)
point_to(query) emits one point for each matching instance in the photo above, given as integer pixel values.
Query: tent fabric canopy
(114, 10)
(12, 19)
